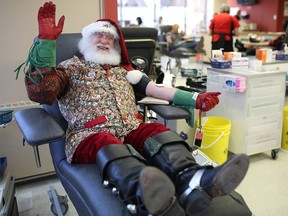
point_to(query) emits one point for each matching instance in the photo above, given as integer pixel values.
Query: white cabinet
(255, 114)
(276, 65)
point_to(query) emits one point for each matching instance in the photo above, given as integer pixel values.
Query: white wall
(18, 24)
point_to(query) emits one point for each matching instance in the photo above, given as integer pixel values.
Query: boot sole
(157, 190)
(229, 176)
(224, 182)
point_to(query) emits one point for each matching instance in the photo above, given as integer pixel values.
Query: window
(193, 16)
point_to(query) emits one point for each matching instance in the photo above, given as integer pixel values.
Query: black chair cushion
(38, 127)
(169, 112)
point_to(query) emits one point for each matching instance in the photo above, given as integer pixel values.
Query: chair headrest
(67, 46)
(139, 33)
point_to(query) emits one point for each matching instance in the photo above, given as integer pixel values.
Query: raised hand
(46, 22)
(207, 101)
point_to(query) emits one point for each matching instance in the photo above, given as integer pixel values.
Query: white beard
(90, 53)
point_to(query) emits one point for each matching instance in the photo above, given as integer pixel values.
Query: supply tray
(221, 64)
(5, 116)
(188, 72)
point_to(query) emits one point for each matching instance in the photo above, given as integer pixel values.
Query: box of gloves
(218, 60)
(219, 63)
(280, 55)
(229, 55)
(265, 55)
(242, 62)
(283, 54)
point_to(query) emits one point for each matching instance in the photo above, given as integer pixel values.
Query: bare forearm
(210, 32)
(236, 32)
(250, 44)
(160, 92)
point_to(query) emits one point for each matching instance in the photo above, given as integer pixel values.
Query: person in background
(139, 22)
(238, 15)
(175, 40)
(157, 26)
(222, 28)
(150, 164)
(276, 44)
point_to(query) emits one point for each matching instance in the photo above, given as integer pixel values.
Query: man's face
(103, 41)
(175, 28)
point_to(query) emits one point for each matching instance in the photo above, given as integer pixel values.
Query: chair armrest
(169, 112)
(164, 46)
(163, 43)
(37, 126)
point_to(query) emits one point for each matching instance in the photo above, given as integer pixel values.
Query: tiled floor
(264, 189)
(33, 198)
(265, 186)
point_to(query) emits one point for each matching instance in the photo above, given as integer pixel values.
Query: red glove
(46, 22)
(207, 101)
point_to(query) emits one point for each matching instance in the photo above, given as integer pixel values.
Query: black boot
(195, 185)
(200, 46)
(240, 46)
(145, 190)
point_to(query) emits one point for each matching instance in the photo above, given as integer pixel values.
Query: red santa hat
(107, 25)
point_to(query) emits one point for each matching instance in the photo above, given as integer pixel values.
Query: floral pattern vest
(96, 100)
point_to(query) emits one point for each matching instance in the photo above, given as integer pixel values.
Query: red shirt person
(222, 28)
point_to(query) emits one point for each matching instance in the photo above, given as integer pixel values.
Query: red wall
(110, 10)
(263, 12)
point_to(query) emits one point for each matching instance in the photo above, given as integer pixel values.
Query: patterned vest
(96, 100)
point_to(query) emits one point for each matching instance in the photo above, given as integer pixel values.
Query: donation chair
(131, 33)
(181, 52)
(82, 182)
(142, 49)
(134, 34)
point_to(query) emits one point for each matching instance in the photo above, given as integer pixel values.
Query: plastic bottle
(285, 49)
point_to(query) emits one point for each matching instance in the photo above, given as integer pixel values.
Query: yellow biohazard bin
(215, 141)
(284, 144)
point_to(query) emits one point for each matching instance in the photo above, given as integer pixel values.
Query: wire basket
(5, 116)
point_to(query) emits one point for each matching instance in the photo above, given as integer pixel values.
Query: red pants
(88, 148)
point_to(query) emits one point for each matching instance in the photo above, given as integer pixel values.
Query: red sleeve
(46, 89)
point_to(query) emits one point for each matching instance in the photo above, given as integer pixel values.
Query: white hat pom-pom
(134, 76)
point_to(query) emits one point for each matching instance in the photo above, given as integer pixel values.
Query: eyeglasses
(106, 36)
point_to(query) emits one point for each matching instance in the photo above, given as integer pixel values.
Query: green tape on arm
(186, 100)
